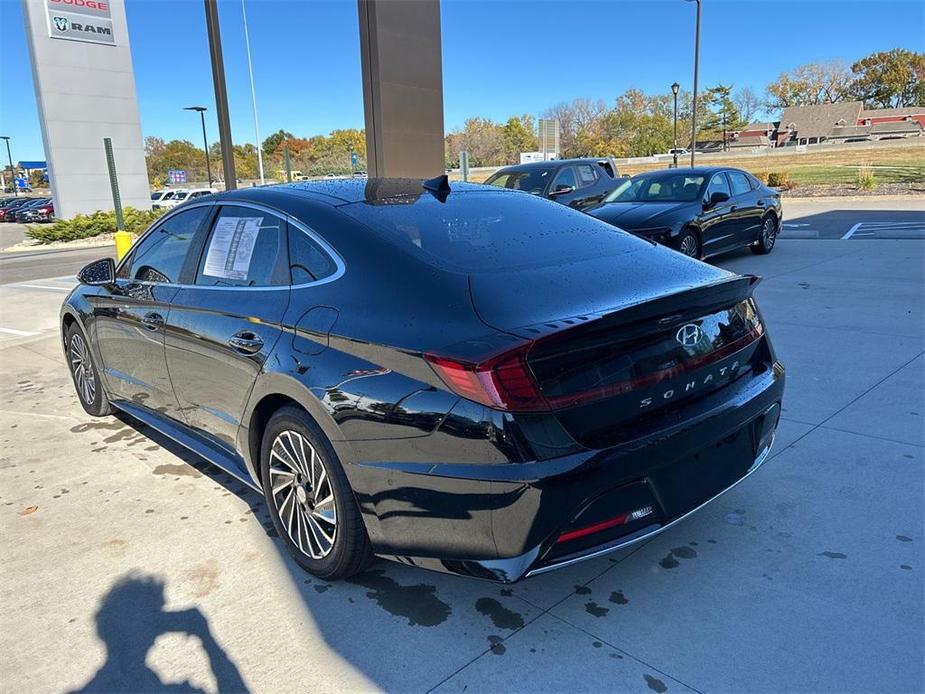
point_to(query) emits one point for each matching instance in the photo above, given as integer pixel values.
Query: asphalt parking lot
(128, 564)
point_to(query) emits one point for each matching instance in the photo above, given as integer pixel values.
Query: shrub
(778, 179)
(866, 180)
(85, 226)
(762, 177)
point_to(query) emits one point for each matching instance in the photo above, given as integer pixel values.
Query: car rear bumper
(507, 521)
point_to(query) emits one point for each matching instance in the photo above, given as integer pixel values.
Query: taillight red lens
(503, 382)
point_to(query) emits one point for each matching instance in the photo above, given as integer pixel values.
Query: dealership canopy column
(85, 90)
(400, 54)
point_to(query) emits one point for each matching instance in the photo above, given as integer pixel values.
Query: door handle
(247, 342)
(153, 321)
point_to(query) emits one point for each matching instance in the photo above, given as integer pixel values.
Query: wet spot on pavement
(180, 469)
(501, 617)
(582, 590)
(903, 538)
(618, 598)
(418, 604)
(684, 552)
(204, 578)
(656, 685)
(670, 561)
(833, 555)
(596, 644)
(507, 592)
(497, 647)
(905, 567)
(596, 610)
(107, 426)
(320, 589)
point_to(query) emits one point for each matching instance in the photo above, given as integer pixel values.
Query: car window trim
(552, 185)
(292, 221)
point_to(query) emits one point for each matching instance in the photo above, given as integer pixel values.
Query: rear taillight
(503, 381)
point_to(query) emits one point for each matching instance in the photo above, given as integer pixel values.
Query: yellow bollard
(123, 243)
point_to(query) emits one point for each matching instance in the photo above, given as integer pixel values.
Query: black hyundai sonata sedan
(472, 380)
(701, 212)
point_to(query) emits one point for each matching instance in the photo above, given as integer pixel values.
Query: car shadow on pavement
(130, 618)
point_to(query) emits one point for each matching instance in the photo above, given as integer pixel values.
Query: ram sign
(80, 20)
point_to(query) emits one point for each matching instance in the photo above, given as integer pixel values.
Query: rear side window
(586, 175)
(308, 262)
(740, 183)
(161, 254)
(247, 248)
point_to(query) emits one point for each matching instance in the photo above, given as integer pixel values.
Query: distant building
(847, 122)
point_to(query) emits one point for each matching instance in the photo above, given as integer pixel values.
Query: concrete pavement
(125, 566)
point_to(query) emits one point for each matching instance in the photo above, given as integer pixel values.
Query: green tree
(272, 143)
(518, 135)
(890, 79)
(723, 114)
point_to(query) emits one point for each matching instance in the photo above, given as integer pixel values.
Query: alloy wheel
(303, 495)
(689, 246)
(82, 367)
(769, 233)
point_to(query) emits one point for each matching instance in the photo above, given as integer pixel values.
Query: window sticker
(232, 247)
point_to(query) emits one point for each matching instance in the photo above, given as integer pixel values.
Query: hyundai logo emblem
(689, 335)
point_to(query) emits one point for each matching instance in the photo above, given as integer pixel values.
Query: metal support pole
(696, 65)
(674, 88)
(122, 237)
(221, 93)
(464, 165)
(205, 144)
(250, 71)
(12, 170)
(288, 163)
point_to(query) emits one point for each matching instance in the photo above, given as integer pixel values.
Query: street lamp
(696, 64)
(205, 141)
(674, 90)
(10, 157)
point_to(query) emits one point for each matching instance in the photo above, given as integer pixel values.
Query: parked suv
(578, 183)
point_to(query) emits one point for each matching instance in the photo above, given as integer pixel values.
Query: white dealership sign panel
(85, 89)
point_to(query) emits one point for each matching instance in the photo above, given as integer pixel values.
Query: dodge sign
(80, 20)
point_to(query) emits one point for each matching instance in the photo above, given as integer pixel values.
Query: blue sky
(500, 58)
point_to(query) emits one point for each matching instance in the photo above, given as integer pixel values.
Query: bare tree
(813, 83)
(748, 103)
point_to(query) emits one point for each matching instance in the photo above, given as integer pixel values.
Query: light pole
(674, 90)
(205, 141)
(10, 157)
(696, 64)
(221, 93)
(250, 71)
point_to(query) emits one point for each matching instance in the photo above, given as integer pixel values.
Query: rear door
(745, 208)
(591, 189)
(223, 327)
(129, 317)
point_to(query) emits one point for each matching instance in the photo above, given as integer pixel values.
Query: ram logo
(60, 23)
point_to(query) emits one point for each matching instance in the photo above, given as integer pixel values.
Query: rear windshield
(489, 232)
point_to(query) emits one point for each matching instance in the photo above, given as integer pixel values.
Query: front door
(223, 328)
(745, 208)
(717, 223)
(129, 318)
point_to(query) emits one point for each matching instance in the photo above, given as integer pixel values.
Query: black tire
(84, 373)
(688, 243)
(309, 527)
(767, 236)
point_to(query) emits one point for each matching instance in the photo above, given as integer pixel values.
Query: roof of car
(340, 191)
(696, 170)
(550, 163)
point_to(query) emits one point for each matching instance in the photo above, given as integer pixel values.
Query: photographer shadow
(130, 618)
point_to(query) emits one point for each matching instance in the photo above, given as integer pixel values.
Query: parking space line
(851, 231)
(18, 333)
(38, 286)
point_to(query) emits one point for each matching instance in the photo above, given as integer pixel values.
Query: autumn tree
(890, 79)
(806, 85)
(518, 135)
(273, 142)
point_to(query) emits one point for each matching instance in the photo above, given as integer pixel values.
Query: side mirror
(716, 198)
(562, 189)
(99, 273)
